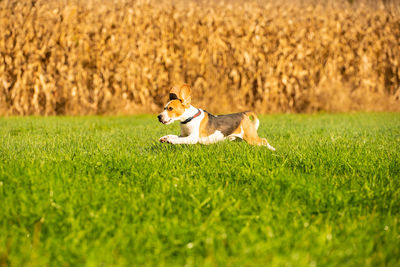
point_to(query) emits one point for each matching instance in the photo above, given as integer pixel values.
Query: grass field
(101, 191)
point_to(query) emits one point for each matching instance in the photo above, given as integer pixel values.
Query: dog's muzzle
(162, 120)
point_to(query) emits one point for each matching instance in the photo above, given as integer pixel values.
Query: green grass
(101, 191)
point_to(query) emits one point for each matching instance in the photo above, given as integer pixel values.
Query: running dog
(200, 126)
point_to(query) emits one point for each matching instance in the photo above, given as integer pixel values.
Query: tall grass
(96, 57)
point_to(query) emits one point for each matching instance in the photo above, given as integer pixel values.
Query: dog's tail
(253, 117)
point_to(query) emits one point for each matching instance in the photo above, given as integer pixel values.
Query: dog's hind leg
(250, 132)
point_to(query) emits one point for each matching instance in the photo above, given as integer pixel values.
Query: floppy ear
(174, 93)
(185, 95)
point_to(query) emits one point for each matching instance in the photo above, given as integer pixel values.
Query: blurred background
(121, 57)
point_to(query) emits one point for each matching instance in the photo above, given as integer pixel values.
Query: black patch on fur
(173, 96)
(226, 124)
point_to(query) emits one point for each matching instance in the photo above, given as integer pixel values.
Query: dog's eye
(170, 108)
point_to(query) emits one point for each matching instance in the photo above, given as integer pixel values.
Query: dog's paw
(265, 143)
(168, 138)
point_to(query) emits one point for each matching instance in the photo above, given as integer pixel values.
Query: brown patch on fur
(204, 130)
(250, 134)
(175, 109)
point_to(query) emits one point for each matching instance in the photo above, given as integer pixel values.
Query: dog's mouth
(165, 121)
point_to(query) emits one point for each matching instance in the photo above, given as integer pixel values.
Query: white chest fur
(191, 128)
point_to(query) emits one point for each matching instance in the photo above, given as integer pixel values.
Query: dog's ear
(174, 93)
(185, 95)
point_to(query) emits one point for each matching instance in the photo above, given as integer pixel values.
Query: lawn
(101, 191)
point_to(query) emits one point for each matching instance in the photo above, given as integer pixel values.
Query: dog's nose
(159, 117)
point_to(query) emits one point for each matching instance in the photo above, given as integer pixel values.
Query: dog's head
(179, 100)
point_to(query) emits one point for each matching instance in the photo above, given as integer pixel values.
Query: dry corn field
(121, 57)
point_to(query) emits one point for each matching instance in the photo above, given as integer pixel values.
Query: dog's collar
(191, 118)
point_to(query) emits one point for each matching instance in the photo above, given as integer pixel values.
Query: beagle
(200, 126)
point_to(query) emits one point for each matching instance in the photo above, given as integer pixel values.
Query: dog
(200, 126)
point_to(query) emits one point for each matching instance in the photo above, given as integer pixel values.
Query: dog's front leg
(191, 139)
(185, 140)
(167, 138)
